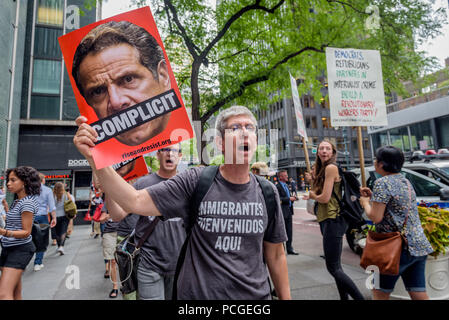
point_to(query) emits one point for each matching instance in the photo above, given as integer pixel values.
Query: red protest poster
(131, 169)
(124, 85)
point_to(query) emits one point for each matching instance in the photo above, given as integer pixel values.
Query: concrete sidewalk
(82, 253)
(309, 279)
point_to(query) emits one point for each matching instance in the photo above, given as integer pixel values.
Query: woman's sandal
(114, 293)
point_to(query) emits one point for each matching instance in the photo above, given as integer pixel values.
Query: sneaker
(60, 250)
(38, 267)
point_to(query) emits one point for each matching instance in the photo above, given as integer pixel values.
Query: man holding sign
(233, 231)
(116, 66)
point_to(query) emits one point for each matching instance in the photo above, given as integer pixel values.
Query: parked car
(435, 169)
(428, 190)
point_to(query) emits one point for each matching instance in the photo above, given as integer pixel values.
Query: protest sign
(124, 85)
(298, 109)
(356, 91)
(300, 119)
(131, 169)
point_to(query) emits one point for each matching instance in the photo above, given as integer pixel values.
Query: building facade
(12, 41)
(419, 122)
(43, 103)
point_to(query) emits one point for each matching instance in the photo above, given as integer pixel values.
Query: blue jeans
(43, 219)
(412, 272)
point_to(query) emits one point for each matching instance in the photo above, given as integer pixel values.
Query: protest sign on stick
(124, 85)
(356, 91)
(300, 120)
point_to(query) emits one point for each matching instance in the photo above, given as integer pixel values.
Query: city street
(309, 279)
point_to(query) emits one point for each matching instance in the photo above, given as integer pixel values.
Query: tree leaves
(241, 51)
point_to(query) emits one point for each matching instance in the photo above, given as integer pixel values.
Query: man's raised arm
(128, 198)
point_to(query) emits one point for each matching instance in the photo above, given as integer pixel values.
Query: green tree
(241, 51)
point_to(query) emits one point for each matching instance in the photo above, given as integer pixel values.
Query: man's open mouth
(168, 161)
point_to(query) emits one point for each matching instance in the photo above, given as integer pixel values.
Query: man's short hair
(223, 116)
(113, 33)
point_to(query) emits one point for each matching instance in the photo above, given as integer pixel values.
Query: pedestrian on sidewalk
(70, 226)
(62, 222)
(392, 199)
(16, 241)
(227, 264)
(96, 200)
(46, 203)
(160, 251)
(287, 200)
(109, 242)
(327, 184)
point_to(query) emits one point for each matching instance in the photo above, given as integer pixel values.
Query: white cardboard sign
(298, 109)
(356, 91)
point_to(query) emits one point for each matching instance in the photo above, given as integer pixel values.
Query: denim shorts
(412, 271)
(17, 257)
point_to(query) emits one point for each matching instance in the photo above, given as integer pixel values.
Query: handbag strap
(148, 232)
(409, 208)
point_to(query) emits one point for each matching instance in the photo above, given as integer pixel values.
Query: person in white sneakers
(46, 204)
(62, 222)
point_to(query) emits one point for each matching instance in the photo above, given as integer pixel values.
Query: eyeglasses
(168, 150)
(239, 128)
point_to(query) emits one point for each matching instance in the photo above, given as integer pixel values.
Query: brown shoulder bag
(384, 249)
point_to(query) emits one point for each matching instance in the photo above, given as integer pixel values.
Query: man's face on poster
(113, 79)
(127, 168)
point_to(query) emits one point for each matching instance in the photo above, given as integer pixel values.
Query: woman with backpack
(17, 245)
(326, 183)
(392, 207)
(62, 222)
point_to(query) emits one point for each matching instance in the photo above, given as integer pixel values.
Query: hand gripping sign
(124, 85)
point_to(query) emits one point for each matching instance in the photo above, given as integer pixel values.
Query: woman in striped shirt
(16, 241)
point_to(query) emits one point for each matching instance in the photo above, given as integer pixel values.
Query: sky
(438, 47)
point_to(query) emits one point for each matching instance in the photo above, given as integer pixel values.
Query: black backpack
(350, 207)
(205, 182)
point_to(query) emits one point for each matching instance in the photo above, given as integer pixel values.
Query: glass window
(326, 123)
(399, 138)
(43, 107)
(443, 131)
(50, 12)
(46, 76)
(305, 102)
(423, 188)
(379, 139)
(421, 135)
(46, 43)
(311, 123)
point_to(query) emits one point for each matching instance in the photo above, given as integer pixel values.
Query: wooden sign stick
(361, 156)
(306, 154)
